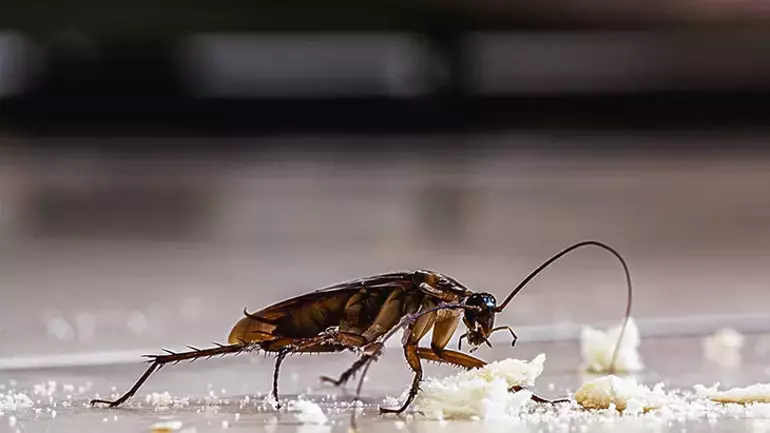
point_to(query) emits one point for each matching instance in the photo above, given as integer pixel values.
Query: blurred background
(165, 164)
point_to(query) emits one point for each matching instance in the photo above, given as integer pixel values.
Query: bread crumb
(598, 347)
(757, 393)
(481, 393)
(724, 347)
(624, 394)
(157, 399)
(14, 401)
(163, 401)
(308, 412)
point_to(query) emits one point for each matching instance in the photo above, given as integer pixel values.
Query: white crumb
(46, 389)
(598, 348)
(166, 426)
(14, 401)
(308, 412)
(482, 393)
(225, 424)
(757, 393)
(724, 347)
(625, 394)
(164, 401)
(390, 401)
(157, 399)
(12, 421)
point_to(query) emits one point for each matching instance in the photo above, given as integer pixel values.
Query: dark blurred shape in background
(163, 164)
(243, 67)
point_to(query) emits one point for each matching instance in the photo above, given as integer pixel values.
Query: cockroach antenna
(566, 251)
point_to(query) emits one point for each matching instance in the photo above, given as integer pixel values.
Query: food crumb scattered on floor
(598, 348)
(308, 412)
(757, 393)
(724, 347)
(481, 393)
(624, 394)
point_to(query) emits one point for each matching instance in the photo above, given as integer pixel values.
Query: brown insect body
(367, 308)
(352, 307)
(359, 315)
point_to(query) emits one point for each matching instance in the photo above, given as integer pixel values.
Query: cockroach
(360, 315)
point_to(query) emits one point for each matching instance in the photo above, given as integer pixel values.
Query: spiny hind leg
(158, 361)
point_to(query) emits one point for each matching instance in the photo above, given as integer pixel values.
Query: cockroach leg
(368, 353)
(349, 373)
(155, 365)
(460, 341)
(159, 361)
(514, 337)
(375, 349)
(451, 357)
(473, 349)
(278, 361)
(412, 357)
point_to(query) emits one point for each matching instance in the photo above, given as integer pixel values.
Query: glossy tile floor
(217, 391)
(104, 258)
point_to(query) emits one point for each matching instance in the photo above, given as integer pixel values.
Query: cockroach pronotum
(360, 315)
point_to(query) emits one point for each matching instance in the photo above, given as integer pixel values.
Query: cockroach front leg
(410, 352)
(412, 335)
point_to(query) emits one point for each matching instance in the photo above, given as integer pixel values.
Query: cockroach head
(481, 319)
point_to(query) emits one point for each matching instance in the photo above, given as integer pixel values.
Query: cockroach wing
(308, 315)
(372, 281)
